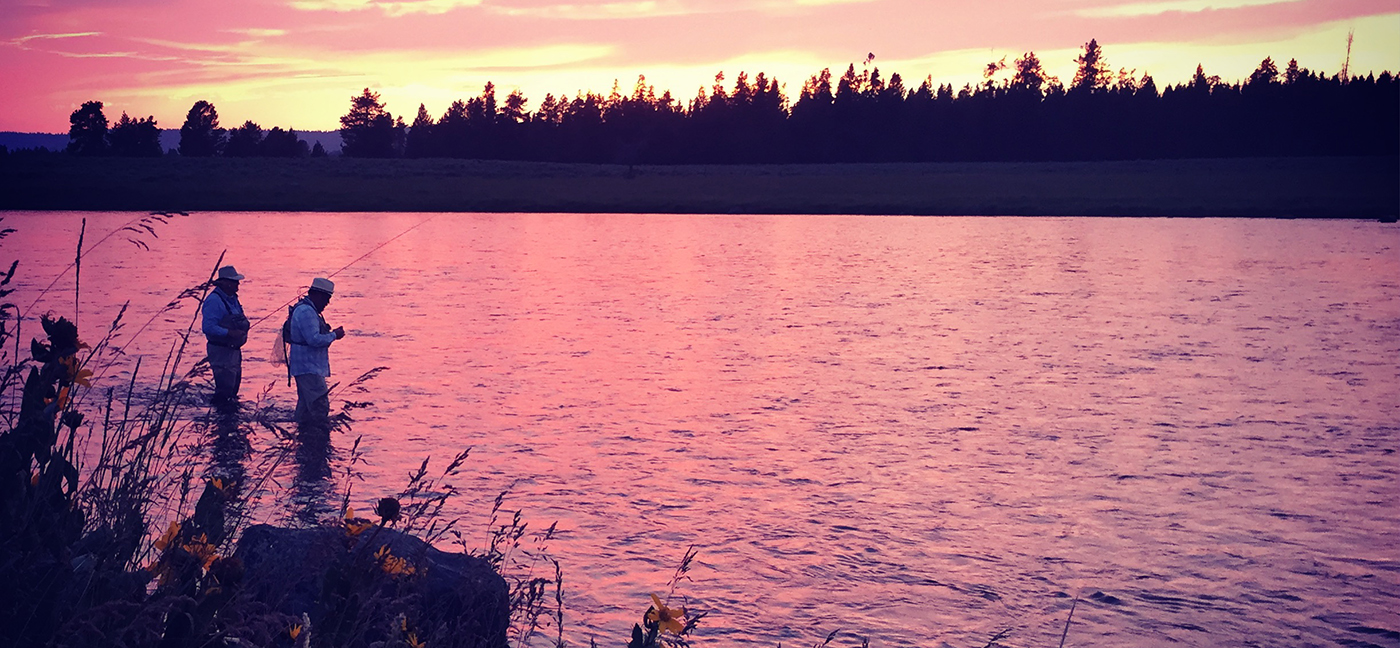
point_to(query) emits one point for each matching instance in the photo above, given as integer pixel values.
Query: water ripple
(920, 430)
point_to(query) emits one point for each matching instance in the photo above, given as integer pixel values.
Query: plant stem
(1067, 620)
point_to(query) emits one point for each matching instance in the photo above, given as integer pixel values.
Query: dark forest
(1018, 113)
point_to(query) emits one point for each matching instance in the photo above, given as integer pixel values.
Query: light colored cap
(323, 285)
(227, 272)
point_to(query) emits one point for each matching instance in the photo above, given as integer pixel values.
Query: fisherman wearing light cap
(227, 330)
(309, 361)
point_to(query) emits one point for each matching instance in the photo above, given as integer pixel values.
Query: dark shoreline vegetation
(127, 513)
(1284, 187)
(1290, 143)
(1020, 113)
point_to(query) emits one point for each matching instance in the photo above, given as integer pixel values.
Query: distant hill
(169, 140)
(15, 141)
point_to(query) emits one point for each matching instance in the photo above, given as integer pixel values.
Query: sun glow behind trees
(272, 62)
(1017, 112)
(862, 116)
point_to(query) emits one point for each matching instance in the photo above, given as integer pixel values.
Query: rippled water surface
(918, 430)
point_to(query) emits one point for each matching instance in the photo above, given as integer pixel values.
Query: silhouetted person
(227, 330)
(309, 362)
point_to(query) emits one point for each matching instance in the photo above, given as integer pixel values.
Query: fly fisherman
(227, 329)
(309, 362)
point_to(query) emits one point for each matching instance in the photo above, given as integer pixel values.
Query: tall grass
(110, 536)
(80, 492)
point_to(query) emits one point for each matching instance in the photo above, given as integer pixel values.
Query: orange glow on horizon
(296, 63)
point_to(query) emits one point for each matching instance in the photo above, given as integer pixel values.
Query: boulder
(350, 596)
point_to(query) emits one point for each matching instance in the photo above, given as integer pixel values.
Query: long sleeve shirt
(311, 342)
(218, 309)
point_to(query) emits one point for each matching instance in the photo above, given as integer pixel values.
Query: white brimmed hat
(323, 285)
(227, 272)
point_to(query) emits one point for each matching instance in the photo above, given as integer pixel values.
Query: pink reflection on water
(920, 430)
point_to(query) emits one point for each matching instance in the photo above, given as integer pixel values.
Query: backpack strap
(291, 328)
(228, 305)
(287, 338)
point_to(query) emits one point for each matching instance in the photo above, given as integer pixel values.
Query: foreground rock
(375, 587)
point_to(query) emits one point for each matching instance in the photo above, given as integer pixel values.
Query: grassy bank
(1347, 187)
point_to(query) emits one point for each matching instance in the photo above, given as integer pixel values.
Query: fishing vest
(236, 337)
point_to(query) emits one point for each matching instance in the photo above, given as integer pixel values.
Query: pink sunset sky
(296, 63)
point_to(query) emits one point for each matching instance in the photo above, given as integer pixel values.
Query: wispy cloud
(252, 68)
(1137, 9)
(62, 45)
(117, 54)
(389, 7)
(192, 47)
(601, 11)
(258, 33)
(251, 38)
(332, 5)
(821, 3)
(23, 41)
(535, 57)
(285, 85)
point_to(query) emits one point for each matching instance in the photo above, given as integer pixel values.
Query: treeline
(200, 136)
(1019, 113)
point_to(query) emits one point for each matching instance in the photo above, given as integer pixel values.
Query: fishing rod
(107, 339)
(209, 282)
(278, 354)
(129, 226)
(136, 226)
(342, 269)
(173, 360)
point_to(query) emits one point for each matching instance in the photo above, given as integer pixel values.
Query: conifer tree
(135, 137)
(200, 135)
(369, 130)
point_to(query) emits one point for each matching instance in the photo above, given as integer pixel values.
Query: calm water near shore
(920, 430)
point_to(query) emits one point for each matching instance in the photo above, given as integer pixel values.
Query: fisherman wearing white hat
(309, 361)
(227, 330)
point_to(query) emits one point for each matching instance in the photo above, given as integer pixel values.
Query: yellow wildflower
(76, 373)
(168, 537)
(391, 564)
(414, 642)
(294, 631)
(669, 619)
(201, 549)
(356, 525)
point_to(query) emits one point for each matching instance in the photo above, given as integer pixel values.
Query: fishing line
(107, 340)
(344, 268)
(136, 226)
(128, 227)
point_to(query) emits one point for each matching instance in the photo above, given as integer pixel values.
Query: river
(923, 431)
